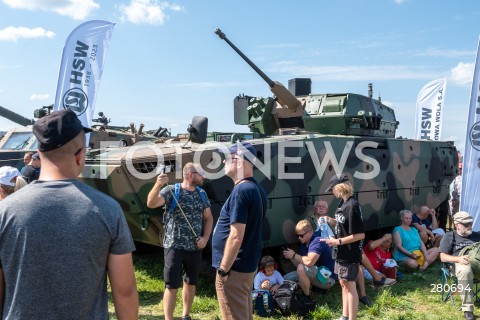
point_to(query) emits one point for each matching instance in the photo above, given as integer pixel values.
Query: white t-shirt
(275, 278)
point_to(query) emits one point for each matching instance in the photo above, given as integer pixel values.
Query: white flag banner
(428, 119)
(81, 69)
(470, 196)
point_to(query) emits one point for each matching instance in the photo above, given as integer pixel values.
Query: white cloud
(176, 7)
(15, 33)
(36, 96)
(204, 85)
(354, 73)
(462, 74)
(444, 53)
(279, 46)
(76, 9)
(147, 11)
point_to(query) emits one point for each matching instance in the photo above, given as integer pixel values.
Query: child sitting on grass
(268, 278)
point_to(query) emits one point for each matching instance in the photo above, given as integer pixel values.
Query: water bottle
(323, 228)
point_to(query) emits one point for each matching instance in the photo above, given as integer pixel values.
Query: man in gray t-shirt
(59, 238)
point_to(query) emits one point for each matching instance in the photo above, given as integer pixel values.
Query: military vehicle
(15, 142)
(301, 140)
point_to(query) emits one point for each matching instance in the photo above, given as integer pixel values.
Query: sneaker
(343, 318)
(186, 318)
(384, 282)
(366, 301)
(469, 315)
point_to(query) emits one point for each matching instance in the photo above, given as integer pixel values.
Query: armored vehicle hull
(301, 140)
(388, 175)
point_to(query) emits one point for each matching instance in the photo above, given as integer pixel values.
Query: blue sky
(165, 64)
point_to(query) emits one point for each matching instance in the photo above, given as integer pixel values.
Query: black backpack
(291, 300)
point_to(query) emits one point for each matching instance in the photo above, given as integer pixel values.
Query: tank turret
(344, 114)
(15, 117)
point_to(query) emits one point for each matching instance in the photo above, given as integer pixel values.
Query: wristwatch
(222, 273)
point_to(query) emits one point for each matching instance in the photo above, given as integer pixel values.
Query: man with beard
(188, 224)
(237, 238)
(450, 247)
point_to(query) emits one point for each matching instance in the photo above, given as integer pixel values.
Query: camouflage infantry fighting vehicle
(301, 140)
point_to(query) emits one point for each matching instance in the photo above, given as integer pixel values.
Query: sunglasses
(201, 175)
(301, 235)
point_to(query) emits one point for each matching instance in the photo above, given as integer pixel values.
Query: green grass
(406, 300)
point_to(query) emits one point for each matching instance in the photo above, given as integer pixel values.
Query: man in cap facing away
(61, 238)
(237, 237)
(450, 246)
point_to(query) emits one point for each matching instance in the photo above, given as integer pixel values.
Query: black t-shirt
(460, 242)
(349, 221)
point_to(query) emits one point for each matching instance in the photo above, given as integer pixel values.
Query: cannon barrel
(284, 96)
(244, 57)
(15, 117)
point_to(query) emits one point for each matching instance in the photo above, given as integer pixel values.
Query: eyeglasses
(196, 172)
(301, 235)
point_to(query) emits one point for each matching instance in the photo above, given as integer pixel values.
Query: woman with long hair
(348, 243)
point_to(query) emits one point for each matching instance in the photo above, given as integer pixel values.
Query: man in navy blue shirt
(237, 237)
(427, 230)
(313, 255)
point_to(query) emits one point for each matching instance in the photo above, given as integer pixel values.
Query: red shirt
(376, 256)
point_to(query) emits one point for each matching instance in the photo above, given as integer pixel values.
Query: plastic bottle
(324, 227)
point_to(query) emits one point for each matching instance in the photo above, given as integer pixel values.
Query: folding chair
(449, 281)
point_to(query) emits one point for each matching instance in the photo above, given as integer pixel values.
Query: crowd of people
(34, 258)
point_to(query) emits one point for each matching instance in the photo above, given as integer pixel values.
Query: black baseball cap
(57, 129)
(336, 179)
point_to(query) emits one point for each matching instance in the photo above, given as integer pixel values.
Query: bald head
(66, 161)
(423, 212)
